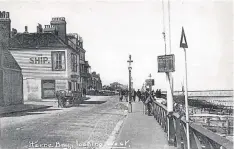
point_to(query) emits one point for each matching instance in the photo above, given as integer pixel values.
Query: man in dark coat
(134, 95)
(139, 94)
(84, 92)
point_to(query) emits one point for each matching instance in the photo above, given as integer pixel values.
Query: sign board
(149, 82)
(166, 63)
(183, 41)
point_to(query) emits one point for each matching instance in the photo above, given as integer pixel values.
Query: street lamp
(150, 85)
(130, 89)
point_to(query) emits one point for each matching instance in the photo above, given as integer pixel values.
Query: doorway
(48, 89)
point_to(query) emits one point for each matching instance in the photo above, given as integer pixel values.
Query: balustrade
(175, 126)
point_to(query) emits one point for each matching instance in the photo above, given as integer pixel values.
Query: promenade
(141, 131)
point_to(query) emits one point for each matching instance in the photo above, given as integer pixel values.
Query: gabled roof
(36, 40)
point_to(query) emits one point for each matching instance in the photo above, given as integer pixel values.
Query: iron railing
(175, 126)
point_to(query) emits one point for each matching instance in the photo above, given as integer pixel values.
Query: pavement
(140, 131)
(33, 105)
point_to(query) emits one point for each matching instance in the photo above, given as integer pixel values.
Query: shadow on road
(20, 114)
(81, 105)
(30, 112)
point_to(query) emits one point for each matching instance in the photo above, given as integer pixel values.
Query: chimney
(5, 27)
(81, 42)
(39, 28)
(26, 29)
(60, 24)
(13, 32)
(50, 29)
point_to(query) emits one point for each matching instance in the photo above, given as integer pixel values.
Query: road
(72, 127)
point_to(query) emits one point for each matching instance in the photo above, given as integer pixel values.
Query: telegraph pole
(184, 45)
(186, 101)
(130, 82)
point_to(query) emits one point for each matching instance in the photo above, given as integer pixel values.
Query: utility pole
(130, 82)
(184, 45)
(186, 101)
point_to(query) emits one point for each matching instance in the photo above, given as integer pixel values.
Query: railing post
(227, 127)
(178, 132)
(170, 128)
(184, 137)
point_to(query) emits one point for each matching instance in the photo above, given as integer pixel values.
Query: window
(82, 56)
(69, 86)
(58, 61)
(77, 86)
(73, 86)
(74, 62)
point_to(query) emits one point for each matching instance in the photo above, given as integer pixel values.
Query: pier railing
(175, 127)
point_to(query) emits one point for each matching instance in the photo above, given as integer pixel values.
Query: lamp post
(130, 89)
(150, 85)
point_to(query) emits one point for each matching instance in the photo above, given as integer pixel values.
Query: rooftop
(35, 40)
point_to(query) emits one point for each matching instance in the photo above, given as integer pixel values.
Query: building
(95, 82)
(49, 60)
(84, 65)
(11, 79)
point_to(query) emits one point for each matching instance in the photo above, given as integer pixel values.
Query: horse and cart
(68, 98)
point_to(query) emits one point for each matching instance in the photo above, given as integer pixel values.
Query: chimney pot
(7, 15)
(13, 32)
(26, 29)
(39, 28)
(4, 14)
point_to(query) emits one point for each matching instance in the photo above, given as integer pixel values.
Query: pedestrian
(134, 95)
(139, 95)
(126, 95)
(84, 92)
(148, 104)
(120, 96)
(159, 93)
(147, 93)
(123, 94)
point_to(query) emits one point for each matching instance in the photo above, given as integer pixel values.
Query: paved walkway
(140, 131)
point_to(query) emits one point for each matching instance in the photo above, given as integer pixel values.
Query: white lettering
(126, 142)
(57, 144)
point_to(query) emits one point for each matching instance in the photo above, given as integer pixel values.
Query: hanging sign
(166, 63)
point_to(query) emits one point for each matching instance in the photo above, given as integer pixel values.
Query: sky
(113, 29)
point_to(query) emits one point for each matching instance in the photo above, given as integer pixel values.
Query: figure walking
(139, 95)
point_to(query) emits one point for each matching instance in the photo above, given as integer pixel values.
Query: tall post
(130, 88)
(186, 101)
(169, 82)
